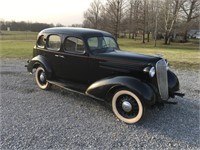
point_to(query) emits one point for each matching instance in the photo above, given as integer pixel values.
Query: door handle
(61, 56)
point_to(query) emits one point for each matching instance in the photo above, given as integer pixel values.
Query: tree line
(159, 18)
(25, 26)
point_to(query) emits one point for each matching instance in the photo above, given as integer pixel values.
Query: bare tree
(148, 21)
(152, 17)
(171, 11)
(135, 17)
(144, 20)
(156, 17)
(191, 10)
(115, 11)
(92, 14)
(130, 18)
(156, 24)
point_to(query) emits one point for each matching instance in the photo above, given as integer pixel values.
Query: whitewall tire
(41, 80)
(127, 106)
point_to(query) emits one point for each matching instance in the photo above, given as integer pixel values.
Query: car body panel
(101, 88)
(99, 72)
(40, 60)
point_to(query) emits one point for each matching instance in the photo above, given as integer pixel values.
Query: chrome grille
(162, 79)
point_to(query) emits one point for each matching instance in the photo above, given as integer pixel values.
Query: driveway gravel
(57, 119)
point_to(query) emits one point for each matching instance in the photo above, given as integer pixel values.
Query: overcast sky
(66, 12)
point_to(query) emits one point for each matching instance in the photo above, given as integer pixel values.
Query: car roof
(84, 32)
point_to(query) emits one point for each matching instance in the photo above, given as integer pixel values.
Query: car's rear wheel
(41, 80)
(127, 106)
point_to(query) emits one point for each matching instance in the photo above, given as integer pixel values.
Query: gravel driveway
(57, 119)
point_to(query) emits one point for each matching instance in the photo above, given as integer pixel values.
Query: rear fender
(40, 61)
(102, 88)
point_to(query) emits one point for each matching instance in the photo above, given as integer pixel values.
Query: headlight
(150, 70)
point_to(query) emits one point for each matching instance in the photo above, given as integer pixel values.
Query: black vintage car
(90, 62)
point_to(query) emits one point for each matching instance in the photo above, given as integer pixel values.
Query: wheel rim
(127, 106)
(41, 78)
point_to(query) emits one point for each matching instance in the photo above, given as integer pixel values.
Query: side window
(109, 42)
(54, 42)
(93, 43)
(73, 44)
(41, 42)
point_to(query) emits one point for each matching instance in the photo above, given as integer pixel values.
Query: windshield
(102, 44)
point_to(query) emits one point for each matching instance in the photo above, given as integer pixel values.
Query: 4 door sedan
(90, 62)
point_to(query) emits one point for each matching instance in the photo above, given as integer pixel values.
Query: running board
(74, 87)
(70, 86)
(170, 102)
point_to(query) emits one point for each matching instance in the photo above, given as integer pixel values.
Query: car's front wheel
(127, 106)
(41, 80)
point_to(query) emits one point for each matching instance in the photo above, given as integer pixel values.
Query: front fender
(40, 61)
(101, 88)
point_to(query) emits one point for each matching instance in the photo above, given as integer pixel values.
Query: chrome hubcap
(126, 106)
(42, 77)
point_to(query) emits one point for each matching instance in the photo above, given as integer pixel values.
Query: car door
(100, 65)
(53, 53)
(74, 60)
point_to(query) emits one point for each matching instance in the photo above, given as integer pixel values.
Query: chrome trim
(149, 70)
(162, 79)
(152, 72)
(126, 106)
(146, 69)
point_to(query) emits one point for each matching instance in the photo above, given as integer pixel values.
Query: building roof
(192, 32)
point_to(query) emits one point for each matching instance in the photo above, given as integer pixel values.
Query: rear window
(54, 42)
(41, 42)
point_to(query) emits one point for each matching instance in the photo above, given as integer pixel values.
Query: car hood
(121, 58)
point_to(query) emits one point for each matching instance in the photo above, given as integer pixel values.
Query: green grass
(16, 48)
(15, 44)
(180, 55)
